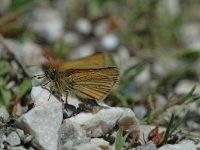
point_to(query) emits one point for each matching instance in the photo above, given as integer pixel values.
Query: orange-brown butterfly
(87, 78)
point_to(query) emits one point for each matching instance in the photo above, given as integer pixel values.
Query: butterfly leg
(51, 91)
(66, 96)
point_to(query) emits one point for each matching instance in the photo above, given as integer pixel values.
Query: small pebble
(184, 86)
(4, 113)
(84, 26)
(109, 42)
(20, 133)
(13, 139)
(140, 111)
(148, 146)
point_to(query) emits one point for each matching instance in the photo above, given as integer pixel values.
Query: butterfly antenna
(30, 66)
(49, 61)
(39, 76)
(46, 83)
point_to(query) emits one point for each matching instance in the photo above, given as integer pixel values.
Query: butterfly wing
(97, 60)
(91, 83)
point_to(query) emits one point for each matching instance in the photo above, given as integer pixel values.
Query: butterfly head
(51, 74)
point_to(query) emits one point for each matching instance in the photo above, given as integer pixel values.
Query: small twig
(16, 14)
(10, 17)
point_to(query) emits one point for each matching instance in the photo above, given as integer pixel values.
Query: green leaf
(172, 76)
(5, 96)
(61, 48)
(16, 4)
(5, 68)
(187, 96)
(134, 71)
(168, 131)
(94, 7)
(119, 140)
(172, 126)
(24, 87)
(109, 60)
(187, 54)
(178, 123)
(130, 74)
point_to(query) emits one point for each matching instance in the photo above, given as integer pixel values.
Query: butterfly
(87, 78)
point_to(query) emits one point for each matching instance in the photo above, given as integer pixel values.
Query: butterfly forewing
(94, 61)
(91, 83)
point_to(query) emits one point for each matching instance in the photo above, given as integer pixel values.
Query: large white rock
(183, 145)
(105, 120)
(73, 136)
(44, 120)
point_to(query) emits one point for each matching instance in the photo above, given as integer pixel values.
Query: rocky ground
(155, 45)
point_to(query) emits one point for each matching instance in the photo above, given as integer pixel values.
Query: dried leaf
(153, 133)
(158, 138)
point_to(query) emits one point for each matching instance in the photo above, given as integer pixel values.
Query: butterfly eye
(52, 75)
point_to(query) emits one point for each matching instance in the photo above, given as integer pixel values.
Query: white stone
(190, 35)
(184, 86)
(128, 63)
(101, 28)
(71, 135)
(73, 101)
(2, 139)
(123, 55)
(109, 42)
(183, 145)
(82, 51)
(148, 146)
(168, 65)
(144, 76)
(33, 53)
(83, 25)
(160, 100)
(4, 5)
(103, 121)
(48, 22)
(169, 7)
(20, 133)
(43, 120)
(71, 38)
(95, 144)
(198, 145)
(139, 111)
(4, 113)
(26, 53)
(18, 148)
(13, 139)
